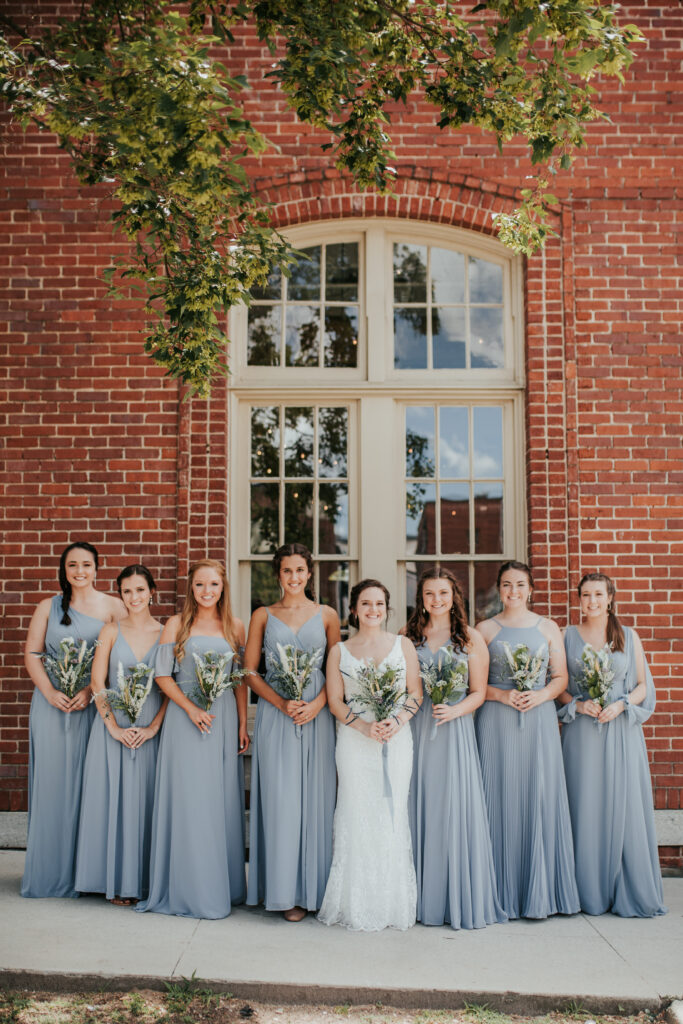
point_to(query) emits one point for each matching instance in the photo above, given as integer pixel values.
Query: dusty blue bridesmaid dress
(610, 793)
(57, 746)
(526, 794)
(293, 787)
(115, 830)
(456, 882)
(197, 856)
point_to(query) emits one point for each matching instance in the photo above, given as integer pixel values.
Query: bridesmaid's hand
(528, 699)
(305, 713)
(142, 734)
(509, 697)
(202, 719)
(293, 707)
(121, 735)
(588, 707)
(611, 712)
(59, 700)
(244, 740)
(445, 713)
(81, 700)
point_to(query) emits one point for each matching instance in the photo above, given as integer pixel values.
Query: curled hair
(615, 631)
(520, 567)
(288, 551)
(136, 570)
(190, 608)
(415, 627)
(63, 581)
(357, 590)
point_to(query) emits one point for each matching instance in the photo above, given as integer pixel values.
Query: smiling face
(514, 589)
(437, 596)
(371, 607)
(207, 587)
(135, 593)
(294, 575)
(80, 568)
(594, 599)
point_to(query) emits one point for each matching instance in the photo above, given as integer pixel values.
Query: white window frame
(379, 393)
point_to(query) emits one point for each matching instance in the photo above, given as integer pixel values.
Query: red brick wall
(99, 445)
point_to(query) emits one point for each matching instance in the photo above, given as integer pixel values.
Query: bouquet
(382, 693)
(132, 690)
(525, 668)
(213, 678)
(291, 672)
(69, 670)
(598, 673)
(445, 679)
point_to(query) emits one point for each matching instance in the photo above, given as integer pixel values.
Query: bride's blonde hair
(190, 608)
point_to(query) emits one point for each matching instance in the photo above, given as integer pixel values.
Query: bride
(372, 879)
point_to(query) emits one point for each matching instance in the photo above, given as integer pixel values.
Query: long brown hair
(415, 627)
(615, 631)
(190, 608)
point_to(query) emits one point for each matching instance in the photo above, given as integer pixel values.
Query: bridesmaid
(608, 778)
(118, 788)
(456, 882)
(293, 776)
(521, 760)
(59, 727)
(197, 858)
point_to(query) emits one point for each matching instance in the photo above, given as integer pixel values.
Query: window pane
(264, 518)
(455, 518)
(448, 276)
(334, 588)
(454, 459)
(488, 441)
(341, 336)
(421, 519)
(332, 441)
(486, 281)
(265, 441)
(264, 587)
(304, 281)
(486, 334)
(488, 518)
(341, 272)
(486, 599)
(410, 339)
(299, 514)
(302, 336)
(298, 442)
(263, 335)
(272, 288)
(333, 519)
(449, 339)
(420, 440)
(410, 273)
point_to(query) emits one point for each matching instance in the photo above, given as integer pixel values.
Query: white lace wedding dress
(372, 879)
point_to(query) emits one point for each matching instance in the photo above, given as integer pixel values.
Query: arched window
(377, 412)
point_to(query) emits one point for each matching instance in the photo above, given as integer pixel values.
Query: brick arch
(302, 197)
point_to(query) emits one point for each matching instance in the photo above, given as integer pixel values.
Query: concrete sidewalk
(604, 963)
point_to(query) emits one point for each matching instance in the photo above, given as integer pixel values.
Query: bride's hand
(376, 732)
(390, 727)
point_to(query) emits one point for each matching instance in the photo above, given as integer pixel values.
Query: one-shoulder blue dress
(57, 746)
(526, 794)
(610, 793)
(115, 830)
(456, 881)
(293, 787)
(197, 855)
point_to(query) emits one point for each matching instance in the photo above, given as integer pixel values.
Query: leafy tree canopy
(137, 98)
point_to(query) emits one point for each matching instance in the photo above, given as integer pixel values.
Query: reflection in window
(312, 318)
(300, 493)
(454, 490)
(448, 310)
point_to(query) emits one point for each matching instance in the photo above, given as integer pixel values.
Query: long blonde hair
(190, 608)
